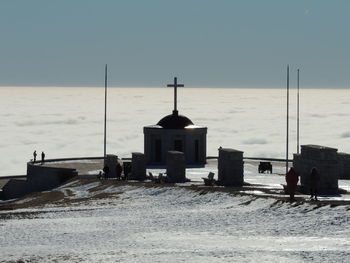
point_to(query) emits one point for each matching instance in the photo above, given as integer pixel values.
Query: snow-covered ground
(172, 224)
(274, 181)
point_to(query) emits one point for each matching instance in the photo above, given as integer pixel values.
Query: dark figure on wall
(34, 155)
(314, 181)
(292, 181)
(42, 157)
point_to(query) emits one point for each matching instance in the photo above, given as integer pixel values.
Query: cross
(175, 85)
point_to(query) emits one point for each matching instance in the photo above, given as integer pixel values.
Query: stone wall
(344, 166)
(188, 137)
(230, 167)
(325, 160)
(48, 177)
(39, 178)
(15, 188)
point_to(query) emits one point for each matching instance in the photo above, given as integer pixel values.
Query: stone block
(317, 152)
(176, 167)
(325, 160)
(111, 162)
(230, 167)
(138, 167)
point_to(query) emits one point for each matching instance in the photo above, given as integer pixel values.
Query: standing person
(42, 157)
(34, 155)
(106, 171)
(292, 181)
(314, 181)
(119, 170)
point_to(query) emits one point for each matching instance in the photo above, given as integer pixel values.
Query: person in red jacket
(292, 181)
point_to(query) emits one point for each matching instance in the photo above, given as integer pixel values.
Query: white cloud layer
(68, 122)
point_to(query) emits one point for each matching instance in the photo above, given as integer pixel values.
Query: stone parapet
(317, 152)
(111, 161)
(325, 160)
(176, 167)
(138, 166)
(230, 167)
(39, 178)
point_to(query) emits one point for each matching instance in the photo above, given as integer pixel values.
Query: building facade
(175, 133)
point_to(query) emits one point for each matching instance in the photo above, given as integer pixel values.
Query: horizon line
(186, 86)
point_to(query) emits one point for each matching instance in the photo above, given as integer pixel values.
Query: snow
(94, 172)
(157, 224)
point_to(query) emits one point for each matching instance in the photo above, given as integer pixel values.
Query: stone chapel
(175, 132)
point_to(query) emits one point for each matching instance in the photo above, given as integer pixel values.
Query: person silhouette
(119, 170)
(42, 157)
(105, 171)
(292, 181)
(34, 155)
(314, 182)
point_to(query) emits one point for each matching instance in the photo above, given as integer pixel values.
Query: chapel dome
(174, 121)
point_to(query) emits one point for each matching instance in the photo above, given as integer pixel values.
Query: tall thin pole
(105, 122)
(287, 139)
(298, 145)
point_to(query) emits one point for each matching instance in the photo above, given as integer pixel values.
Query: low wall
(68, 159)
(44, 177)
(15, 188)
(39, 178)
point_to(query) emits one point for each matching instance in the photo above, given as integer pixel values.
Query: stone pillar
(344, 166)
(325, 160)
(176, 167)
(111, 162)
(138, 167)
(230, 167)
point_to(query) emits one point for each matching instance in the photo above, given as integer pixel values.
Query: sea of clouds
(68, 122)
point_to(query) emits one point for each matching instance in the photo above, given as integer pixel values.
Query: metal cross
(175, 86)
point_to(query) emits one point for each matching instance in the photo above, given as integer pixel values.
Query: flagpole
(298, 145)
(105, 120)
(287, 139)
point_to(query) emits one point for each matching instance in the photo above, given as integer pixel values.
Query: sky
(205, 43)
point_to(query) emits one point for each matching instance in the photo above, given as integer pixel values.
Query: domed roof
(175, 121)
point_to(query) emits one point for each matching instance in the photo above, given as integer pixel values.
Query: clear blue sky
(216, 43)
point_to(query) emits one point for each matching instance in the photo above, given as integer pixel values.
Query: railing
(128, 159)
(73, 159)
(255, 158)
